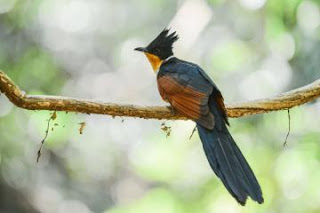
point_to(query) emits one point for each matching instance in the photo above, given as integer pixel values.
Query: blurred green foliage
(252, 49)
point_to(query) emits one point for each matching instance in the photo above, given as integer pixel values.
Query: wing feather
(187, 98)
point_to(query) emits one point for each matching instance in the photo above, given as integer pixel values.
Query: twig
(194, 129)
(52, 118)
(289, 122)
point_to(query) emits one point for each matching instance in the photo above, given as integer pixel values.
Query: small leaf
(166, 129)
(54, 115)
(82, 126)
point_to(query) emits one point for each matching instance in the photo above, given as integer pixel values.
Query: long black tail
(227, 161)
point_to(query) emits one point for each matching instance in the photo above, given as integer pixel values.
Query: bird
(192, 93)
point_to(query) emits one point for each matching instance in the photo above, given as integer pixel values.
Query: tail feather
(249, 179)
(227, 161)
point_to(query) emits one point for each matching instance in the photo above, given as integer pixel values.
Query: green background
(251, 48)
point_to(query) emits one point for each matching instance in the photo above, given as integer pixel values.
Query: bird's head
(159, 49)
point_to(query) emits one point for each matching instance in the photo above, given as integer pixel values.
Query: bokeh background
(251, 48)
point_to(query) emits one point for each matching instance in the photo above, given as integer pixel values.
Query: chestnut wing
(188, 93)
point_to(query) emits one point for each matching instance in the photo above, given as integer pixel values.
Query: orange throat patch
(155, 61)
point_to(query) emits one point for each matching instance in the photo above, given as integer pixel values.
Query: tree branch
(283, 101)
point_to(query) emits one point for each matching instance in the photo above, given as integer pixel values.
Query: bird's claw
(172, 110)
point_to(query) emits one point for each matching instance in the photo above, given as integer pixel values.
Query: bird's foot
(172, 110)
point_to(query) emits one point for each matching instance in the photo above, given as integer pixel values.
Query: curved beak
(141, 49)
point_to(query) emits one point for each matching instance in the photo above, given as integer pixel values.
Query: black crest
(162, 45)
